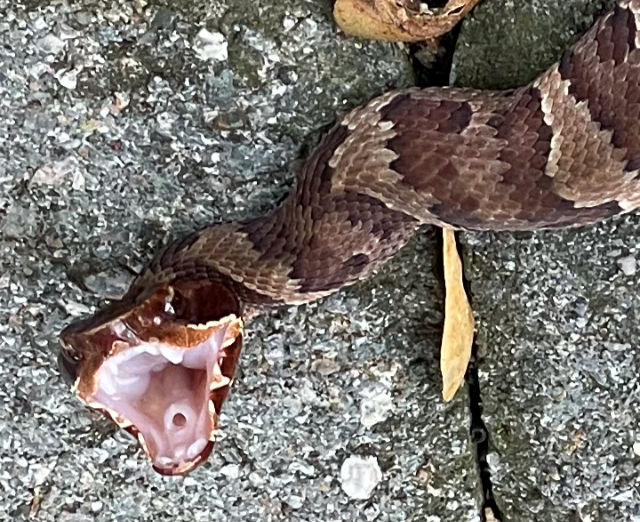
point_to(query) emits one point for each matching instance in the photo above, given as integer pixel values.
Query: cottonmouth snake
(561, 152)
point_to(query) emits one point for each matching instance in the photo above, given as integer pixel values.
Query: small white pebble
(40, 474)
(50, 44)
(375, 409)
(628, 265)
(325, 366)
(294, 501)
(231, 471)
(256, 479)
(636, 448)
(288, 23)
(68, 79)
(210, 46)
(55, 173)
(39, 24)
(359, 476)
(96, 506)
(76, 309)
(493, 460)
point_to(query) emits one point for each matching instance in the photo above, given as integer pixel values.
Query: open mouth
(160, 368)
(164, 392)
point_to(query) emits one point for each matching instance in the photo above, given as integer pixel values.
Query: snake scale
(563, 151)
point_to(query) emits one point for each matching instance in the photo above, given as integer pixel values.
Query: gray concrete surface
(123, 125)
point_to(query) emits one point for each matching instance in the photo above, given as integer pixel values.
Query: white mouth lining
(164, 393)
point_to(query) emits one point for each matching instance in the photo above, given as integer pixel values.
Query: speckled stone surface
(507, 43)
(123, 124)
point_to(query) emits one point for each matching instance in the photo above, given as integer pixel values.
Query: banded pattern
(563, 151)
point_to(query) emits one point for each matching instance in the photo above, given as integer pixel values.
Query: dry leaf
(490, 516)
(457, 335)
(398, 20)
(35, 502)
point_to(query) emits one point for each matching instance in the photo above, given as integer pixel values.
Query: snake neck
(319, 239)
(560, 152)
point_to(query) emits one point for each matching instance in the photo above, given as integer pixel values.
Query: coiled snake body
(561, 152)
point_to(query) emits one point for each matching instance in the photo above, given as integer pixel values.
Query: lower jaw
(185, 467)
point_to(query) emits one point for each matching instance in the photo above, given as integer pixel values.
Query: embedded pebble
(359, 476)
(50, 44)
(68, 79)
(375, 409)
(55, 173)
(231, 471)
(210, 46)
(294, 501)
(325, 367)
(76, 309)
(628, 265)
(111, 284)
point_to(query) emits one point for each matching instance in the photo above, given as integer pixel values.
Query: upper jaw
(159, 377)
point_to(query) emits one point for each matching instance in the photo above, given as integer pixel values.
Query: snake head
(160, 365)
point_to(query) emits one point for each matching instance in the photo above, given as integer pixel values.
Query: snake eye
(68, 365)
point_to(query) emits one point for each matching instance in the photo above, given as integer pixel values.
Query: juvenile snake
(561, 152)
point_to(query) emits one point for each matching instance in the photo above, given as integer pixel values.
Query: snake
(562, 151)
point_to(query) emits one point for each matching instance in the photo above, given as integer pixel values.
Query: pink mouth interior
(164, 393)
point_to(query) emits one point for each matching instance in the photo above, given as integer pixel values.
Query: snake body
(563, 151)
